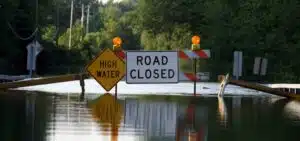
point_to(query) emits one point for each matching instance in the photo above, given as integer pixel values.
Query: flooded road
(187, 88)
(48, 117)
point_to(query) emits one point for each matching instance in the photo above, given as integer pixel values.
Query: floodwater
(31, 116)
(187, 88)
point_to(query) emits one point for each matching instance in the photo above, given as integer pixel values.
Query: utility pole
(36, 17)
(82, 20)
(31, 71)
(57, 23)
(70, 36)
(87, 19)
(82, 14)
(71, 23)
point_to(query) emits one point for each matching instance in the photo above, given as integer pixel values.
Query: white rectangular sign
(260, 66)
(152, 67)
(264, 65)
(256, 65)
(237, 63)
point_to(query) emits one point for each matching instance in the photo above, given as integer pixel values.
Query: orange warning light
(117, 41)
(196, 40)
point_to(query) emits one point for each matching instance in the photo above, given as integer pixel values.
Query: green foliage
(77, 37)
(49, 33)
(258, 28)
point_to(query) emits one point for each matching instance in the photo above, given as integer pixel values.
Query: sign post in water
(195, 46)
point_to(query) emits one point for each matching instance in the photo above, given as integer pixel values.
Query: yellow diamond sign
(107, 69)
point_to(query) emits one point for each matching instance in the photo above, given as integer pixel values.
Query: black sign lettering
(102, 64)
(108, 74)
(131, 72)
(163, 73)
(171, 73)
(156, 73)
(147, 60)
(108, 64)
(139, 60)
(164, 60)
(139, 75)
(148, 73)
(156, 61)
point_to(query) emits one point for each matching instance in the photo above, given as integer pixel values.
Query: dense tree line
(268, 28)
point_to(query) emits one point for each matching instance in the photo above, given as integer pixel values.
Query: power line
(36, 26)
(18, 36)
(36, 18)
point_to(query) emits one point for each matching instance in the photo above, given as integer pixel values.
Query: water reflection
(43, 117)
(73, 120)
(222, 109)
(30, 114)
(292, 110)
(108, 112)
(153, 118)
(190, 125)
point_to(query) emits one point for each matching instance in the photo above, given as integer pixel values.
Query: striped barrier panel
(183, 54)
(199, 54)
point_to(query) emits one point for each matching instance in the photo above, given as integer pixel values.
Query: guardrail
(255, 86)
(10, 78)
(45, 80)
(13, 77)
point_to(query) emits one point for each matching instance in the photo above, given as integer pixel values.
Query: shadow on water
(24, 116)
(280, 104)
(48, 117)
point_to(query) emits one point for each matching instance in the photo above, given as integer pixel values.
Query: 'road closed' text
(152, 67)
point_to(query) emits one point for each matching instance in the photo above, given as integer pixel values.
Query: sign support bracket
(195, 73)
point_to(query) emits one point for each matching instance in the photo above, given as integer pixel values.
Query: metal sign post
(195, 46)
(195, 73)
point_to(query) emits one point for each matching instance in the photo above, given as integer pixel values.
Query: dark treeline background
(267, 28)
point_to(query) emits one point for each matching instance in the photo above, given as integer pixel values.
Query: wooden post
(116, 91)
(81, 81)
